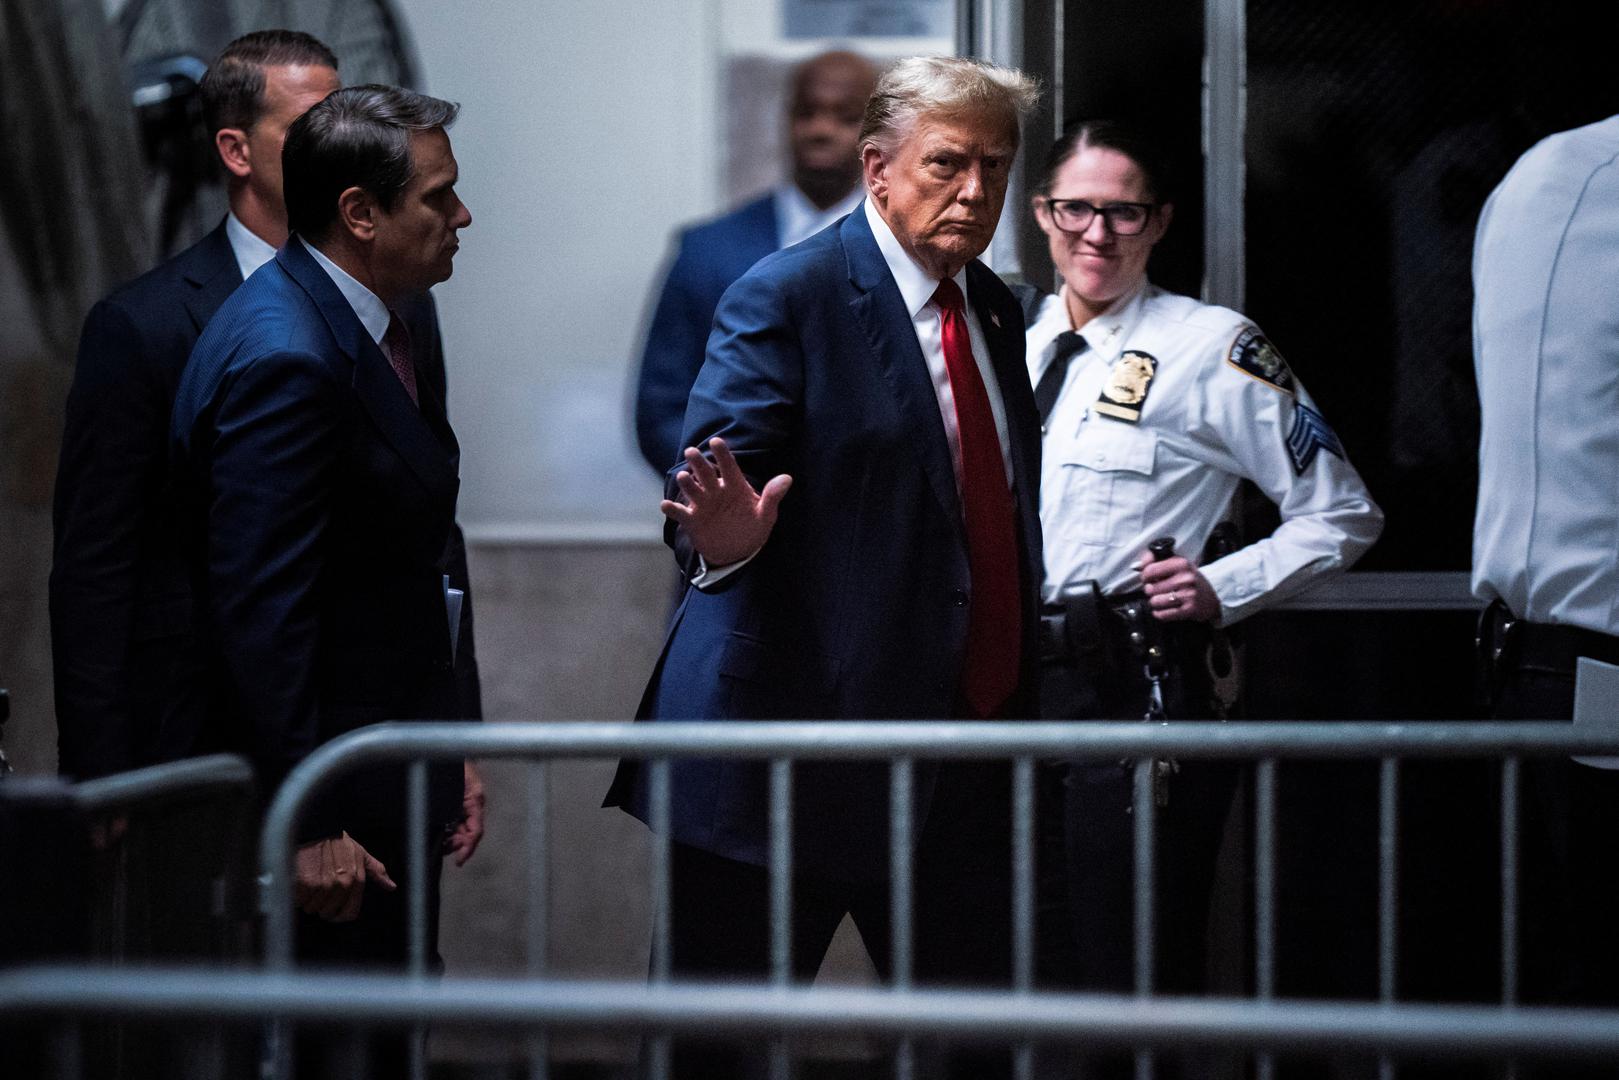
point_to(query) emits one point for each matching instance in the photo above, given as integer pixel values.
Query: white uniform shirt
(1108, 486)
(1546, 354)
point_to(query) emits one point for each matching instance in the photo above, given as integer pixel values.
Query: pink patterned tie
(397, 344)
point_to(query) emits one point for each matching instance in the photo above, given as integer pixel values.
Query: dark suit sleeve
(673, 355)
(280, 432)
(749, 392)
(112, 464)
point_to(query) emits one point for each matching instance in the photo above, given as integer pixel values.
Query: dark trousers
(719, 921)
(1090, 865)
(377, 941)
(1569, 866)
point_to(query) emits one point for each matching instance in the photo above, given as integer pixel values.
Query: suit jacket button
(958, 598)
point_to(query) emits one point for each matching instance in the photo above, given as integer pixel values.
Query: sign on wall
(869, 18)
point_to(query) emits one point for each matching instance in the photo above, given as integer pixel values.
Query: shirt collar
(1106, 334)
(250, 249)
(1051, 321)
(373, 313)
(916, 286)
(799, 219)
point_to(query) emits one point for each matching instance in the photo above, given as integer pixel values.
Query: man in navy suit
(126, 672)
(827, 100)
(865, 543)
(126, 679)
(318, 475)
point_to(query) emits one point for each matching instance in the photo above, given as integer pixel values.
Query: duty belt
(1507, 643)
(1088, 628)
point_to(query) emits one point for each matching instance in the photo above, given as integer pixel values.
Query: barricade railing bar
(190, 778)
(903, 744)
(67, 993)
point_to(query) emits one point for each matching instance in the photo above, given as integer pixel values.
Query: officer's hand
(725, 518)
(1177, 591)
(331, 878)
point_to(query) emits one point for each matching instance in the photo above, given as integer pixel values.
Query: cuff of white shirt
(709, 576)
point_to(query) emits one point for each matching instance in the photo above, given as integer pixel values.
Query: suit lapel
(1004, 338)
(880, 310)
(405, 427)
(212, 274)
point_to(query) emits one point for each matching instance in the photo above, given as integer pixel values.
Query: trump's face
(941, 189)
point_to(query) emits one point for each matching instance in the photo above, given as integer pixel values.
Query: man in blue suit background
(317, 474)
(126, 676)
(827, 100)
(126, 681)
(865, 543)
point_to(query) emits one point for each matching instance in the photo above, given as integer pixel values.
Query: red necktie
(995, 621)
(397, 344)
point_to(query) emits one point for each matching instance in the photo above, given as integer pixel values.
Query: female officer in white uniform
(1154, 407)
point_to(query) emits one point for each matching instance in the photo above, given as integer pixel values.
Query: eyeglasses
(1120, 218)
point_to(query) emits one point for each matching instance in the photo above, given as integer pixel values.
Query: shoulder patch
(1310, 435)
(1257, 358)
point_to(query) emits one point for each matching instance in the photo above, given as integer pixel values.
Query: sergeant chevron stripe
(1310, 434)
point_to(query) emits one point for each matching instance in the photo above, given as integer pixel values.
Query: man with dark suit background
(824, 108)
(127, 677)
(129, 683)
(317, 476)
(864, 544)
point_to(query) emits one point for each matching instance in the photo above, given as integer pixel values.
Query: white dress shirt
(251, 252)
(1546, 354)
(368, 307)
(917, 289)
(799, 219)
(1108, 486)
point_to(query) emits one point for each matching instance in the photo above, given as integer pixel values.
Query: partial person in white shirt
(1154, 407)
(1546, 535)
(824, 109)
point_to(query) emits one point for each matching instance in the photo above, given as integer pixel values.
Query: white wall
(588, 133)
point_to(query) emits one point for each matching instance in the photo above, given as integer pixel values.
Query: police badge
(1125, 393)
(1252, 355)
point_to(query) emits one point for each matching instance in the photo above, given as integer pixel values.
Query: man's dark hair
(1133, 142)
(358, 137)
(233, 89)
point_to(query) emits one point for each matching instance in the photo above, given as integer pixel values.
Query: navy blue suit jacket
(710, 257)
(318, 504)
(127, 681)
(857, 605)
(126, 676)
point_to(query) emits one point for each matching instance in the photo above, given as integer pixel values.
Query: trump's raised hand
(724, 518)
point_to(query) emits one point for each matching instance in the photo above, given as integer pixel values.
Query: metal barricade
(1265, 1020)
(67, 995)
(147, 866)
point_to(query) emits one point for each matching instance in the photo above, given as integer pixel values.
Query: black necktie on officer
(1069, 344)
